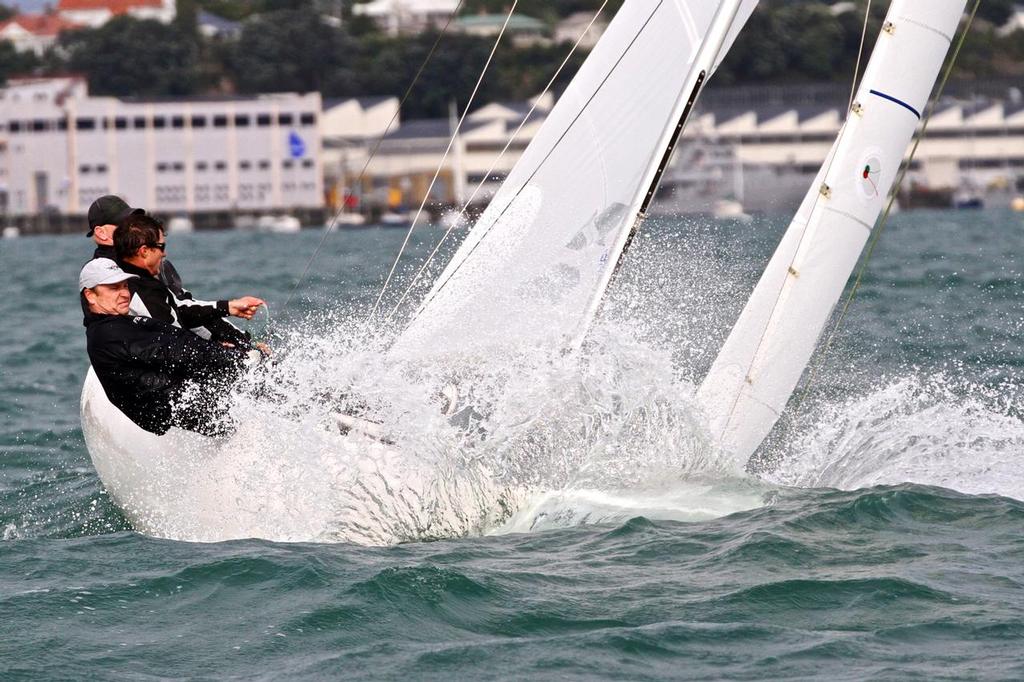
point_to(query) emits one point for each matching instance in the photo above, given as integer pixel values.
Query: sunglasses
(162, 246)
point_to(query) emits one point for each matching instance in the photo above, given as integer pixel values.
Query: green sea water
(879, 536)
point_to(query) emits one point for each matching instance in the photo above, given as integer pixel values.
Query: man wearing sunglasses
(105, 214)
(140, 246)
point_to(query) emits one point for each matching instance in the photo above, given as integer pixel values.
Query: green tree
(14, 63)
(128, 56)
(289, 50)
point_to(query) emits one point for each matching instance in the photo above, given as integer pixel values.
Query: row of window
(220, 193)
(203, 166)
(162, 122)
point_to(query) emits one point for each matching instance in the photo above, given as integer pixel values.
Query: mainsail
(536, 264)
(764, 356)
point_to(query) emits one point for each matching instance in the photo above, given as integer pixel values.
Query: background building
(208, 159)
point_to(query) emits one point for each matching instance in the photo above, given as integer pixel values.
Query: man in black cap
(105, 214)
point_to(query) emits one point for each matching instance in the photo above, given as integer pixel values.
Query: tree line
(300, 45)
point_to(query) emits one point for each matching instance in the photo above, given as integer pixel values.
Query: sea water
(876, 534)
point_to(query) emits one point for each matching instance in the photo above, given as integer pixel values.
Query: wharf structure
(763, 154)
(209, 160)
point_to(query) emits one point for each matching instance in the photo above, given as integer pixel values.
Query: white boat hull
(321, 487)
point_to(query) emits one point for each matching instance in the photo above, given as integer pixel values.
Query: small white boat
(394, 219)
(180, 224)
(278, 223)
(730, 209)
(11, 232)
(350, 220)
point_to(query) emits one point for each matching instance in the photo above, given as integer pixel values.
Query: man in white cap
(146, 366)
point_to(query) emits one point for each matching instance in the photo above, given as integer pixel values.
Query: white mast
(764, 356)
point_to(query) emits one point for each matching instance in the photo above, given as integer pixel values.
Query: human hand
(245, 307)
(263, 348)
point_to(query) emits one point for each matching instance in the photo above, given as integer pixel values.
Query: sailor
(157, 374)
(104, 216)
(140, 246)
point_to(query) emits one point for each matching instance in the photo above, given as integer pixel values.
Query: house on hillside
(1014, 23)
(213, 26)
(34, 32)
(524, 30)
(572, 27)
(95, 13)
(407, 16)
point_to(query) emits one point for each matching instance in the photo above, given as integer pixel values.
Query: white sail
(764, 356)
(535, 265)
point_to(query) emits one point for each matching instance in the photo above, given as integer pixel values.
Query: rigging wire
(557, 142)
(376, 147)
(455, 134)
(494, 164)
(860, 55)
(877, 234)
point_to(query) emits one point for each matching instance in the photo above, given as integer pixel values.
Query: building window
(201, 166)
(85, 169)
(287, 163)
(161, 167)
(221, 165)
(307, 163)
(107, 123)
(39, 126)
(244, 165)
(308, 119)
(101, 168)
(178, 166)
(220, 121)
(241, 121)
(139, 122)
(62, 124)
(159, 122)
(285, 119)
(198, 121)
(120, 123)
(177, 121)
(263, 120)
(85, 124)
(14, 127)
(264, 165)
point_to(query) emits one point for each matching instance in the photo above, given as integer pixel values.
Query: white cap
(101, 271)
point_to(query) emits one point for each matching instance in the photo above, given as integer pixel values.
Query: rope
(877, 234)
(494, 164)
(359, 180)
(860, 56)
(540, 165)
(433, 181)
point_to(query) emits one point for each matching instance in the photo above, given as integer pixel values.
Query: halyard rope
(455, 134)
(494, 164)
(359, 180)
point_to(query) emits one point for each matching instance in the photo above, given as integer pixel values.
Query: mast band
(898, 101)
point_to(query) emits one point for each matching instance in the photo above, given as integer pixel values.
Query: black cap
(109, 210)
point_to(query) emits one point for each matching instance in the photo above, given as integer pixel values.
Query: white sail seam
(850, 216)
(920, 24)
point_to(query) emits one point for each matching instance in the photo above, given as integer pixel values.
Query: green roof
(516, 23)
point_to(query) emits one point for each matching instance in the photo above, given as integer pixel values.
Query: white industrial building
(61, 148)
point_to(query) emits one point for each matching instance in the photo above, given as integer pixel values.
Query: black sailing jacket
(212, 313)
(160, 375)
